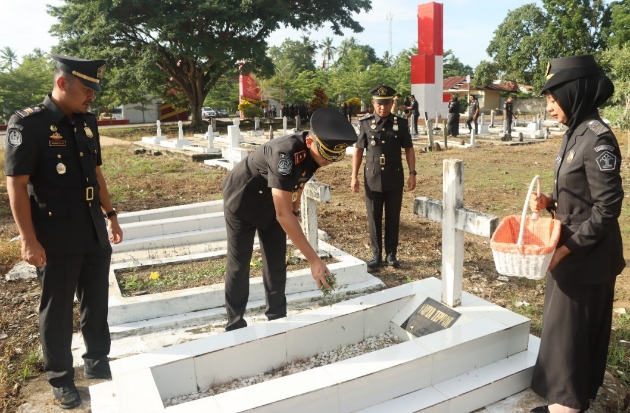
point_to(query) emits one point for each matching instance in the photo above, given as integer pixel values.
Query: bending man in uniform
(262, 193)
(382, 135)
(58, 197)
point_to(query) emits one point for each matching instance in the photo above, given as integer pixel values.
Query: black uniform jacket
(383, 140)
(453, 108)
(61, 158)
(587, 199)
(284, 163)
(508, 107)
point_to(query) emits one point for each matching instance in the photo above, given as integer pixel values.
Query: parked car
(106, 116)
(222, 113)
(208, 113)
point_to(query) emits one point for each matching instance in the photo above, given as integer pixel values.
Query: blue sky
(468, 26)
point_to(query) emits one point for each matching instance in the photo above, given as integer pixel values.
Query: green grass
(619, 351)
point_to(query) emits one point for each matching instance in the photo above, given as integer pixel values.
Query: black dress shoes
(392, 261)
(67, 396)
(375, 262)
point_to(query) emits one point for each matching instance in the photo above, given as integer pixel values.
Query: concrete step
(180, 239)
(470, 391)
(171, 212)
(176, 225)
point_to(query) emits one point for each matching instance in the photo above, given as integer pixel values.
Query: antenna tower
(389, 17)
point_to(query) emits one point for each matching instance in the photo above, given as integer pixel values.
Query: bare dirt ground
(496, 178)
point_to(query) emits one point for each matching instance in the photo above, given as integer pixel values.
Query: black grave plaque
(429, 317)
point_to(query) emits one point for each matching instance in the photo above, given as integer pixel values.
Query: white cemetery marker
(210, 137)
(412, 119)
(256, 123)
(297, 123)
(430, 134)
(437, 118)
(236, 122)
(455, 221)
(472, 139)
(284, 125)
(270, 132)
(181, 130)
(492, 118)
(159, 129)
(313, 193)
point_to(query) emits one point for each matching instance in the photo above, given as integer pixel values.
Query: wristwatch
(111, 213)
(413, 173)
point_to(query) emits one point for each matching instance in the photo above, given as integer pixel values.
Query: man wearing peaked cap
(262, 194)
(383, 135)
(59, 198)
(587, 198)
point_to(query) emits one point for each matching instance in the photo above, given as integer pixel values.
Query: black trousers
(469, 121)
(574, 344)
(508, 121)
(415, 122)
(62, 276)
(374, 202)
(273, 247)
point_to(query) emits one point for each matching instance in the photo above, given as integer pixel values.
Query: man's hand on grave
(354, 184)
(319, 271)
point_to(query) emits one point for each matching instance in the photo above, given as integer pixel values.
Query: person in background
(415, 111)
(587, 198)
(473, 114)
(382, 135)
(508, 113)
(452, 127)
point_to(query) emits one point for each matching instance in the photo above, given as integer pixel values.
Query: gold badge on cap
(88, 131)
(61, 168)
(570, 156)
(382, 91)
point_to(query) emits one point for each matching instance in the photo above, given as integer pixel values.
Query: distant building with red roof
(489, 96)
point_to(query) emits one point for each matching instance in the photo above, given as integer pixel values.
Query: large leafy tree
(26, 84)
(615, 64)
(620, 23)
(516, 46)
(453, 67)
(575, 27)
(193, 42)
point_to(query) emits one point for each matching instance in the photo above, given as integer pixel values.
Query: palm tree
(388, 59)
(328, 50)
(8, 58)
(346, 46)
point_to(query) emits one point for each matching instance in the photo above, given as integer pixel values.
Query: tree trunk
(196, 122)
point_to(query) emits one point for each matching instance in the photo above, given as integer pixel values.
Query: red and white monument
(427, 73)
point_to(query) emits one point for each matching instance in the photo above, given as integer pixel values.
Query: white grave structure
(284, 125)
(233, 153)
(313, 193)
(455, 221)
(180, 142)
(257, 131)
(483, 128)
(477, 355)
(158, 138)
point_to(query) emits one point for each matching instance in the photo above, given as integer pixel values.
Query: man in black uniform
(262, 193)
(508, 112)
(383, 134)
(415, 111)
(453, 116)
(473, 114)
(58, 196)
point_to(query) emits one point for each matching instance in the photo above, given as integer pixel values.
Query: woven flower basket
(523, 246)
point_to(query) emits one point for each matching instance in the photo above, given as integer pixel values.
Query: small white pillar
(284, 125)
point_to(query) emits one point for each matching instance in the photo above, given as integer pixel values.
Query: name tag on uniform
(56, 143)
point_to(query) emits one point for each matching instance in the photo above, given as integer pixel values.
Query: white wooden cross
(313, 193)
(455, 221)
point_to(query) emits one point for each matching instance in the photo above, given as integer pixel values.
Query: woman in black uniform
(587, 198)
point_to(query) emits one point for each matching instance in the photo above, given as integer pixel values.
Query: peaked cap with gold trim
(382, 94)
(565, 69)
(89, 72)
(332, 133)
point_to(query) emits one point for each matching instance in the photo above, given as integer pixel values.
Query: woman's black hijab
(579, 98)
(579, 86)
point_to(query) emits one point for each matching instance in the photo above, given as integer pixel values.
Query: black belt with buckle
(44, 194)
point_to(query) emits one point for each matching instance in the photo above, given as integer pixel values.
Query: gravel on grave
(369, 345)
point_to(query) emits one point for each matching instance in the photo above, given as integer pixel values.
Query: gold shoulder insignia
(29, 111)
(367, 116)
(299, 157)
(597, 127)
